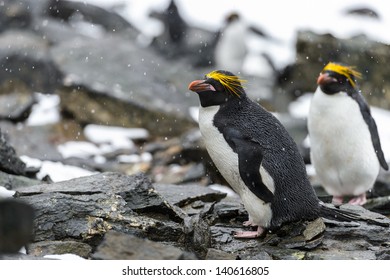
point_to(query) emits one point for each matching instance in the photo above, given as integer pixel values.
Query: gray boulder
(26, 61)
(115, 82)
(9, 161)
(106, 211)
(120, 246)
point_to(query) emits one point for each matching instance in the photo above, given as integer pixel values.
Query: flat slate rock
(120, 246)
(138, 89)
(16, 106)
(13, 182)
(182, 195)
(84, 209)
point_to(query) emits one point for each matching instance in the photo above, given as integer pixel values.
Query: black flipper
(258, 31)
(365, 109)
(249, 161)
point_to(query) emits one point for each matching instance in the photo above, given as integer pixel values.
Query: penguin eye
(219, 87)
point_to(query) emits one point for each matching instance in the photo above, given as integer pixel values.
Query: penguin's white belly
(341, 147)
(231, 48)
(226, 160)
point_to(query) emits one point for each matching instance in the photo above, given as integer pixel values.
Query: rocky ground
(151, 193)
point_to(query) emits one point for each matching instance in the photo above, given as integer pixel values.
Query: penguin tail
(336, 214)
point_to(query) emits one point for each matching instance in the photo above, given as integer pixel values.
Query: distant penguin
(232, 50)
(345, 146)
(174, 23)
(172, 41)
(182, 40)
(256, 156)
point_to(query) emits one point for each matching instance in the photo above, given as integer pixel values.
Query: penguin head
(218, 87)
(232, 17)
(336, 77)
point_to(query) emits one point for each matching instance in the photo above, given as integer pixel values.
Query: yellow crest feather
(230, 83)
(346, 71)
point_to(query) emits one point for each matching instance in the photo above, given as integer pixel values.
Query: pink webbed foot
(337, 200)
(249, 234)
(358, 200)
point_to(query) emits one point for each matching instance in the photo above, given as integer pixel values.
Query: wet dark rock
(381, 188)
(16, 106)
(79, 217)
(181, 195)
(314, 51)
(120, 246)
(308, 235)
(13, 182)
(14, 14)
(197, 234)
(379, 204)
(55, 32)
(16, 225)
(367, 216)
(84, 209)
(25, 59)
(138, 89)
(228, 210)
(340, 255)
(41, 141)
(309, 240)
(145, 199)
(19, 256)
(9, 161)
(213, 254)
(193, 217)
(385, 255)
(40, 249)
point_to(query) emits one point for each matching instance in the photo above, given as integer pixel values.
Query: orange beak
(200, 85)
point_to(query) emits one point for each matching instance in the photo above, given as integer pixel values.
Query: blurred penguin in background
(176, 25)
(181, 40)
(232, 48)
(171, 42)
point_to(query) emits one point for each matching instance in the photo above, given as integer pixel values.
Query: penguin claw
(249, 234)
(358, 200)
(337, 200)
